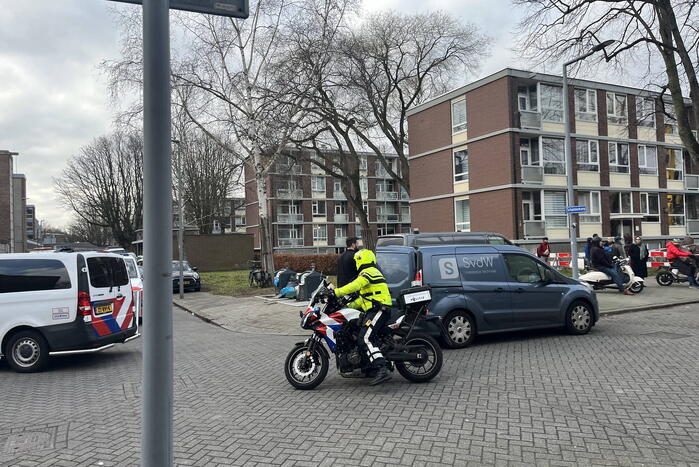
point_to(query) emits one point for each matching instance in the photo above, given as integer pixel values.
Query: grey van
(443, 238)
(484, 289)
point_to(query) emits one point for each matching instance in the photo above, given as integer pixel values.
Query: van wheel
(579, 318)
(459, 329)
(27, 352)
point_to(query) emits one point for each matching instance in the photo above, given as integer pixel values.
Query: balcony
(532, 174)
(693, 226)
(404, 195)
(341, 218)
(691, 182)
(290, 242)
(289, 193)
(388, 217)
(405, 218)
(387, 195)
(289, 218)
(534, 229)
(338, 194)
(529, 119)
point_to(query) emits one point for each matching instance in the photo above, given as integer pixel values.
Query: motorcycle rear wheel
(664, 278)
(420, 372)
(306, 372)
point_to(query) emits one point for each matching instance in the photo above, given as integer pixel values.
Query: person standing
(346, 266)
(638, 253)
(543, 251)
(601, 261)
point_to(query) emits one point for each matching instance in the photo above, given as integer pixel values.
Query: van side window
(480, 267)
(395, 268)
(30, 275)
(107, 272)
(493, 240)
(525, 269)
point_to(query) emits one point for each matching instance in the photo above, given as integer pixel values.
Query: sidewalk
(259, 316)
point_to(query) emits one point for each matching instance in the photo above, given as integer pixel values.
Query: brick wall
(431, 175)
(490, 162)
(5, 197)
(225, 252)
(489, 108)
(493, 211)
(433, 216)
(429, 129)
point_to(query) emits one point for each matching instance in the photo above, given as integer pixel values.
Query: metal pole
(180, 234)
(156, 439)
(569, 177)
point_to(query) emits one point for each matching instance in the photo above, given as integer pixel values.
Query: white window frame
(363, 163)
(644, 168)
(546, 217)
(530, 206)
(593, 203)
(315, 209)
(590, 104)
(645, 117)
(317, 229)
(678, 156)
(683, 216)
(342, 229)
(619, 194)
(364, 184)
(670, 120)
(459, 126)
(462, 176)
(645, 210)
(545, 109)
(337, 186)
(617, 117)
(340, 208)
(462, 226)
(529, 149)
(542, 160)
(317, 180)
(590, 144)
(617, 152)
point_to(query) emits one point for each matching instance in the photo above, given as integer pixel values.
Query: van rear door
(111, 297)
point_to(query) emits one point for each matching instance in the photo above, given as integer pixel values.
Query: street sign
(233, 8)
(576, 209)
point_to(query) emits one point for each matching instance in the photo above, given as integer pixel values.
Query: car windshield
(176, 266)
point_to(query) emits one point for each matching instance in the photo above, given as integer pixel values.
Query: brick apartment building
(489, 156)
(13, 202)
(309, 212)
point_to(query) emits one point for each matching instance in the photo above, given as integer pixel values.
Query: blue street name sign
(575, 209)
(233, 8)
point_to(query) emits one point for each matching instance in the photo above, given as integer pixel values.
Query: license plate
(103, 309)
(416, 297)
(188, 282)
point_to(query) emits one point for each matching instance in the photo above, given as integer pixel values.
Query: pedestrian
(602, 262)
(683, 261)
(638, 253)
(346, 266)
(543, 251)
(617, 247)
(588, 247)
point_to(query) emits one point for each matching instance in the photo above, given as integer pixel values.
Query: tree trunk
(266, 248)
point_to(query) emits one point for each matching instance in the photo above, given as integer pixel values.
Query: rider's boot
(382, 375)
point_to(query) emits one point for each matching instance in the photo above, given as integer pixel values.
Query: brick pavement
(623, 395)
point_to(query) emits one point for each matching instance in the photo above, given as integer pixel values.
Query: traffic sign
(233, 8)
(576, 209)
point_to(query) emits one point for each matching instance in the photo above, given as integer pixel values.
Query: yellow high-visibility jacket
(370, 284)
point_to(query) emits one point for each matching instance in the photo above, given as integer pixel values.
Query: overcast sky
(53, 99)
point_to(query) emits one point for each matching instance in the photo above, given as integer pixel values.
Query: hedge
(327, 263)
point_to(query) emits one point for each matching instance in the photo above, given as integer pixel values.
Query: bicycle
(258, 277)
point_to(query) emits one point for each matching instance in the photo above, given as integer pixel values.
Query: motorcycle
(417, 357)
(666, 276)
(599, 280)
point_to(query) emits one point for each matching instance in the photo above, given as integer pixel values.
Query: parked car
(443, 238)
(192, 281)
(484, 289)
(62, 303)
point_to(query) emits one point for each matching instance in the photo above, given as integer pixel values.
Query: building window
(461, 165)
(670, 120)
(239, 221)
(619, 158)
(675, 164)
(458, 116)
(587, 155)
(318, 184)
(648, 160)
(318, 208)
(650, 207)
(675, 209)
(591, 200)
(551, 103)
(526, 98)
(288, 236)
(340, 233)
(529, 152)
(586, 105)
(552, 151)
(531, 205)
(363, 163)
(616, 108)
(645, 112)
(320, 233)
(692, 208)
(337, 186)
(555, 210)
(621, 203)
(462, 213)
(364, 185)
(340, 208)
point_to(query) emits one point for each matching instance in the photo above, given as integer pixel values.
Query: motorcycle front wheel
(637, 287)
(306, 371)
(664, 278)
(426, 368)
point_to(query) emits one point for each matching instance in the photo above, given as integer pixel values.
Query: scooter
(599, 280)
(666, 276)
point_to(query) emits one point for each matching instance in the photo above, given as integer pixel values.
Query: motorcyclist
(683, 261)
(602, 262)
(374, 297)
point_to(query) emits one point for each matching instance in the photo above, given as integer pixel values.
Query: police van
(62, 303)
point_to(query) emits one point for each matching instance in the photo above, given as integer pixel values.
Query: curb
(645, 308)
(241, 331)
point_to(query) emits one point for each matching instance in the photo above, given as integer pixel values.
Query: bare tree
(81, 231)
(103, 185)
(646, 32)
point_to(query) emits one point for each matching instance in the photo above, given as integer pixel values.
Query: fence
(656, 259)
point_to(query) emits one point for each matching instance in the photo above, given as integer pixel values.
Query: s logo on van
(448, 268)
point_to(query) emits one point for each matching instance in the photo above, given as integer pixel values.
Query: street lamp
(569, 156)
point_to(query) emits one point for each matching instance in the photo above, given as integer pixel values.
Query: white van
(62, 303)
(136, 282)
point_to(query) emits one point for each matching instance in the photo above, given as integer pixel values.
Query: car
(136, 278)
(486, 289)
(192, 280)
(443, 238)
(62, 304)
